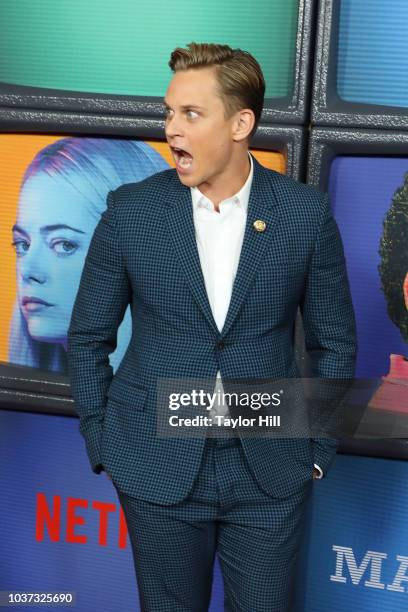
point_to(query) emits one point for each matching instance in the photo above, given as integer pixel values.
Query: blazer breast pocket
(126, 394)
(285, 266)
(277, 277)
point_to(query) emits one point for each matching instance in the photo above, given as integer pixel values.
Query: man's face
(199, 135)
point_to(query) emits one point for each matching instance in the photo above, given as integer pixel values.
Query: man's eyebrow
(48, 228)
(185, 106)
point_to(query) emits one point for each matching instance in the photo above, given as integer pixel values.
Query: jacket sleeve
(103, 295)
(329, 327)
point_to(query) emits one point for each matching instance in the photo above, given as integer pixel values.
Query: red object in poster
(392, 395)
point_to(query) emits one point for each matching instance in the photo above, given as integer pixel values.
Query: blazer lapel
(181, 227)
(261, 207)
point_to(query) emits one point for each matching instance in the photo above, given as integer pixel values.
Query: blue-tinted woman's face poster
(61, 195)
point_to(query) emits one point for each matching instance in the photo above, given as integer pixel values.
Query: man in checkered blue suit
(215, 257)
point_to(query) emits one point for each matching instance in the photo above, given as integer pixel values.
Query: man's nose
(173, 126)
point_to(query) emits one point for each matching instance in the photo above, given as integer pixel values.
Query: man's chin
(187, 179)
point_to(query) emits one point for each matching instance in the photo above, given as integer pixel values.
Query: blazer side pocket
(127, 394)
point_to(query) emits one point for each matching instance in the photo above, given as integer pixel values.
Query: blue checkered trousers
(186, 498)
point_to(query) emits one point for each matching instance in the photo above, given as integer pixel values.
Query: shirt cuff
(320, 472)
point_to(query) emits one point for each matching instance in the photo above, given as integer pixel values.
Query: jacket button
(221, 344)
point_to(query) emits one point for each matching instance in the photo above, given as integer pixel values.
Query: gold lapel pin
(260, 225)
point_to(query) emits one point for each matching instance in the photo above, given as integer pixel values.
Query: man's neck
(228, 185)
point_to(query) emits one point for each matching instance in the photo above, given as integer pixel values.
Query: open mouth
(182, 157)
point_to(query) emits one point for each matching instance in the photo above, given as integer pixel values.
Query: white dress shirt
(219, 237)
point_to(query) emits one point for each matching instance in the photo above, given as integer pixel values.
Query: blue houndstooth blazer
(143, 253)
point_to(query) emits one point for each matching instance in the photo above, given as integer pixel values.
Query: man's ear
(243, 124)
(405, 290)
